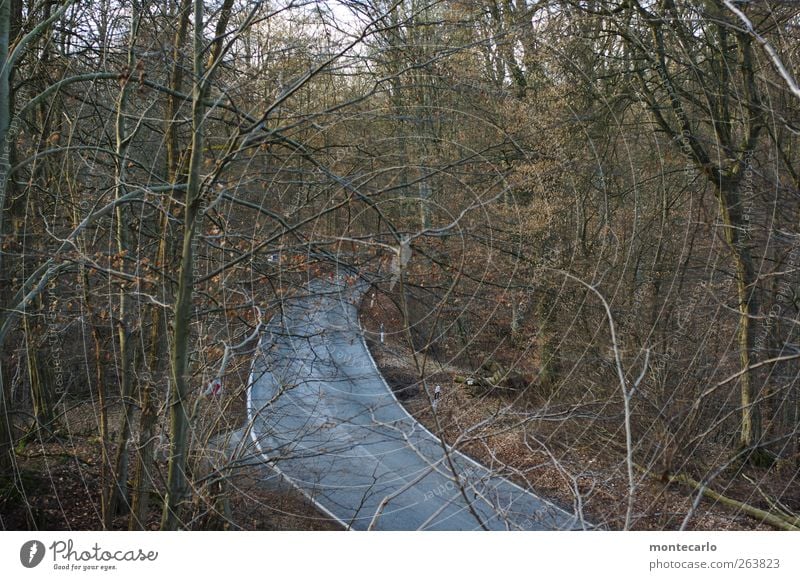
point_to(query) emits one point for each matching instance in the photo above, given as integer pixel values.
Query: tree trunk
(163, 253)
(179, 359)
(730, 210)
(158, 331)
(549, 367)
(40, 394)
(106, 471)
(6, 433)
(5, 111)
(120, 497)
(143, 483)
(120, 500)
(6, 428)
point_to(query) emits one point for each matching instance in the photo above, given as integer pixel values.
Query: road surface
(322, 415)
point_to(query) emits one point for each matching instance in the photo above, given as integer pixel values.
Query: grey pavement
(322, 416)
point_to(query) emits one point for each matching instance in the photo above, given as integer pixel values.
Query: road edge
(251, 428)
(450, 449)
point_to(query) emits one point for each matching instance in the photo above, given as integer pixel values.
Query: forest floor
(591, 476)
(60, 482)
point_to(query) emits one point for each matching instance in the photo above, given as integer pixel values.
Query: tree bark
(163, 253)
(143, 483)
(745, 276)
(106, 470)
(40, 394)
(6, 436)
(120, 500)
(179, 358)
(158, 331)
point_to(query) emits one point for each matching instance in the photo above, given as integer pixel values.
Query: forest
(567, 232)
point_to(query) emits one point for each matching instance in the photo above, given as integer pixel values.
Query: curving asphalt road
(322, 415)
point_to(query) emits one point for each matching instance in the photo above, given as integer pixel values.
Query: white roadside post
(437, 394)
(382, 333)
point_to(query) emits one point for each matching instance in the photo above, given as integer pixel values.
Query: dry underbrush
(569, 455)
